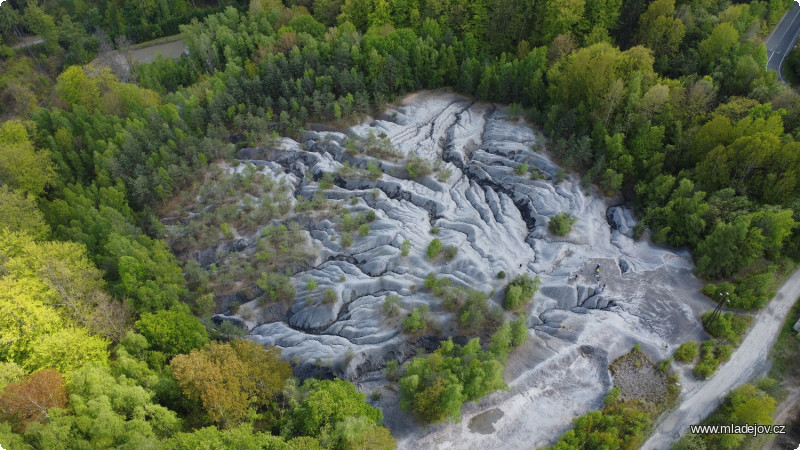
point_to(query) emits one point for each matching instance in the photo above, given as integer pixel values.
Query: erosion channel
(496, 216)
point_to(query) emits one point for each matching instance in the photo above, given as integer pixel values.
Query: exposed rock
(497, 220)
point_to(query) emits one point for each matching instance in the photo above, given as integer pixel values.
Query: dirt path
(787, 410)
(747, 361)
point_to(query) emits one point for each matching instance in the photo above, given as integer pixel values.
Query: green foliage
(21, 166)
(687, 352)
(616, 426)
(561, 223)
(501, 275)
(277, 287)
(417, 321)
(520, 291)
(521, 169)
(329, 296)
(712, 354)
(519, 331)
(728, 326)
(729, 248)
(347, 240)
(405, 247)
(107, 409)
(434, 248)
(450, 252)
(336, 414)
(435, 387)
(311, 284)
(363, 230)
(19, 213)
(418, 167)
(746, 404)
(243, 436)
(391, 305)
(172, 332)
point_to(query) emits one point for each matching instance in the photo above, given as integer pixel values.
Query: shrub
(373, 171)
(450, 252)
(418, 167)
(347, 240)
(329, 296)
(363, 230)
(434, 248)
(501, 275)
(348, 224)
(415, 322)
(687, 352)
(226, 231)
(728, 326)
(391, 305)
(311, 284)
(712, 354)
(405, 247)
(277, 287)
(519, 331)
(520, 291)
(435, 230)
(431, 282)
(562, 223)
(393, 372)
(521, 169)
(435, 387)
(370, 215)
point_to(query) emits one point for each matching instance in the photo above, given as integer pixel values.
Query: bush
(562, 223)
(521, 169)
(405, 247)
(363, 230)
(712, 354)
(687, 352)
(277, 287)
(519, 331)
(434, 248)
(520, 291)
(393, 371)
(501, 275)
(373, 171)
(347, 240)
(391, 305)
(418, 167)
(435, 230)
(348, 223)
(450, 252)
(728, 326)
(311, 284)
(435, 387)
(370, 216)
(329, 296)
(415, 322)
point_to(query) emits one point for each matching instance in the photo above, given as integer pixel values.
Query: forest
(106, 337)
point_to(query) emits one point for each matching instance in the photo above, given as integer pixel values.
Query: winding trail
(747, 361)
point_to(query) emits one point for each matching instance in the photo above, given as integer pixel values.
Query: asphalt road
(782, 40)
(748, 361)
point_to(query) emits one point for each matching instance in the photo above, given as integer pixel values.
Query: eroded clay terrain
(498, 221)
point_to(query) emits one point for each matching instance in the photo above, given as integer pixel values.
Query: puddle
(483, 423)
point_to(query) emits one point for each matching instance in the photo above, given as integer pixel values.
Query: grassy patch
(785, 355)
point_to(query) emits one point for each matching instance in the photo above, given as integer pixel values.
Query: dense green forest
(106, 339)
